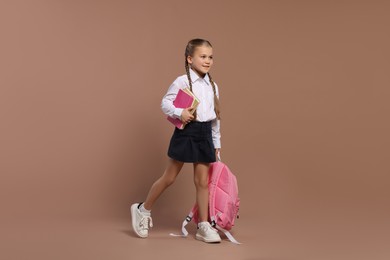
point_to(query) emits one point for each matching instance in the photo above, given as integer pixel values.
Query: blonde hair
(190, 49)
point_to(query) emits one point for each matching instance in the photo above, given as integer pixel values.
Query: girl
(198, 143)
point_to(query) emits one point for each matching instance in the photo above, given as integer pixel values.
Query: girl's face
(202, 60)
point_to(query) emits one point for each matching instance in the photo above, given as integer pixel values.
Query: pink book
(184, 99)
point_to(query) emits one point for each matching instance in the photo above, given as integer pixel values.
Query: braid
(188, 75)
(189, 81)
(216, 100)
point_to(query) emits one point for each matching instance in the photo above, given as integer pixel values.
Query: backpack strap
(185, 223)
(228, 235)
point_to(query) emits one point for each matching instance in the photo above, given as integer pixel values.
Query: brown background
(304, 90)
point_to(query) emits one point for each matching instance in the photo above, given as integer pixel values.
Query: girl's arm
(167, 102)
(215, 125)
(216, 133)
(218, 154)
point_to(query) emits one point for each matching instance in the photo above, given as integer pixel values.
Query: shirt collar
(195, 77)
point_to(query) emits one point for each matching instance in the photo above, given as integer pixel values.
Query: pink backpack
(223, 201)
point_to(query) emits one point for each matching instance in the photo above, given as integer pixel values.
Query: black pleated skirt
(193, 144)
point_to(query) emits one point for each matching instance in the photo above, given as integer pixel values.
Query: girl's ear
(189, 59)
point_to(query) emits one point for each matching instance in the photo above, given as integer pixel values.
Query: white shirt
(203, 90)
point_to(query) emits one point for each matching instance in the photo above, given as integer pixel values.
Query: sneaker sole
(133, 211)
(201, 238)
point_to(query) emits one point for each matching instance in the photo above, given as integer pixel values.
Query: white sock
(142, 209)
(202, 223)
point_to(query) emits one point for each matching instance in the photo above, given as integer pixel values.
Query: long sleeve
(167, 102)
(215, 126)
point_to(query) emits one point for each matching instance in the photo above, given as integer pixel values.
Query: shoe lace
(146, 222)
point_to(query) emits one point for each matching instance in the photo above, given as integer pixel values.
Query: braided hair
(190, 49)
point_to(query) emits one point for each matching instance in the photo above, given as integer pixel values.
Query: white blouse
(203, 90)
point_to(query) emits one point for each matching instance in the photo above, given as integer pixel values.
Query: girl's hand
(186, 115)
(218, 154)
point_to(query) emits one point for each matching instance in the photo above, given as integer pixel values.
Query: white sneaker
(207, 233)
(140, 220)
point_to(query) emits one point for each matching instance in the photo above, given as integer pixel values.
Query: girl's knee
(201, 183)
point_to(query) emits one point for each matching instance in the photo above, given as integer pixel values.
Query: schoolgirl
(198, 143)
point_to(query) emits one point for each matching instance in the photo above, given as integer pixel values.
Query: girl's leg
(201, 171)
(163, 182)
(205, 232)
